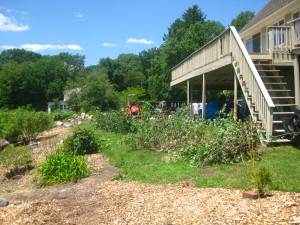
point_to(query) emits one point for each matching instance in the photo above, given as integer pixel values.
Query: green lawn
(153, 167)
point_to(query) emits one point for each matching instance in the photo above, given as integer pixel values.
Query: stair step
(283, 113)
(277, 83)
(268, 70)
(264, 64)
(290, 97)
(279, 130)
(285, 105)
(282, 141)
(277, 121)
(272, 90)
(271, 76)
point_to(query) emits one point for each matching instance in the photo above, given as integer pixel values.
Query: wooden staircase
(281, 95)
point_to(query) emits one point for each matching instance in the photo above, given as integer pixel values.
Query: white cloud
(78, 15)
(7, 47)
(38, 47)
(109, 45)
(10, 24)
(139, 41)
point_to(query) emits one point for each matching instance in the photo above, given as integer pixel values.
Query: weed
(16, 159)
(62, 167)
(264, 179)
(118, 122)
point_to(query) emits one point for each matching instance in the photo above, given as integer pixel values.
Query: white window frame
(297, 24)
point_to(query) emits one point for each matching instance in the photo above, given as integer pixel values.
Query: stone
(67, 125)
(3, 202)
(3, 143)
(250, 195)
(59, 123)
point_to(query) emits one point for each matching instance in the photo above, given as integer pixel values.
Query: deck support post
(188, 92)
(297, 80)
(235, 97)
(203, 97)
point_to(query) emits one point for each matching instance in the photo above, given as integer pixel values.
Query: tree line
(31, 78)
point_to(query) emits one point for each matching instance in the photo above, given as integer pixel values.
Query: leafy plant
(23, 124)
(16, 159)
(228, 145)
(163, 132)
(62, 167)
(82, 141)
(114, 121)
(59, 115)
(264, 179)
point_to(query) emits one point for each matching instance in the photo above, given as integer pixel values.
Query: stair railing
(252, 84)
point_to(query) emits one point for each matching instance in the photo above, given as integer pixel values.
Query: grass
(150, 167)
(282, 162)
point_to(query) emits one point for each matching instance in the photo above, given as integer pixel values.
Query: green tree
(242, 19)
(97, 93)
(18, 55)
(186, 35)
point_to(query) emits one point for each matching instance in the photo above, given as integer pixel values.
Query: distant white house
(61, 105)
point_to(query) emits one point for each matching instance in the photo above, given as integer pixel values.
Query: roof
(272, 7)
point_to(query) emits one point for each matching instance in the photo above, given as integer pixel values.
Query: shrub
(118, 122)
(22, 124)
(229, 145)
(166, 132)
(82, 141)
(62, 167)
(31, 123)
(16, 159)
(59, 115)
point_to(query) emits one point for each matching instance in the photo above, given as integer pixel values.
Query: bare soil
(98, 200)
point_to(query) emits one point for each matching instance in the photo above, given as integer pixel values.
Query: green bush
(15, 159)
(82, 141)
(118, 122)
(59, 115)
(229, 145)
(22, 124)
(165, 132)
(62, 167)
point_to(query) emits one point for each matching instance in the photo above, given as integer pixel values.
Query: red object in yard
(135, 111)
(250, 195)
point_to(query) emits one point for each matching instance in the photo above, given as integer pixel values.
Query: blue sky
(102, 28)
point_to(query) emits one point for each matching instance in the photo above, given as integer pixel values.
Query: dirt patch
(98, 200)
(210, 173)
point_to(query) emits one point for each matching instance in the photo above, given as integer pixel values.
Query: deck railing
(280, 39)
(209, 53)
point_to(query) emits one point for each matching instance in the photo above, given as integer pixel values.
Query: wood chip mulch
(116, 202)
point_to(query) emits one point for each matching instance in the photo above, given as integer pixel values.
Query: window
(249, 46)
(296, 17)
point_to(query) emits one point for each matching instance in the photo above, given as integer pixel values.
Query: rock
(83, 115)
(3, 143)
(67, 125)
(3, 202)
(58, 123)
